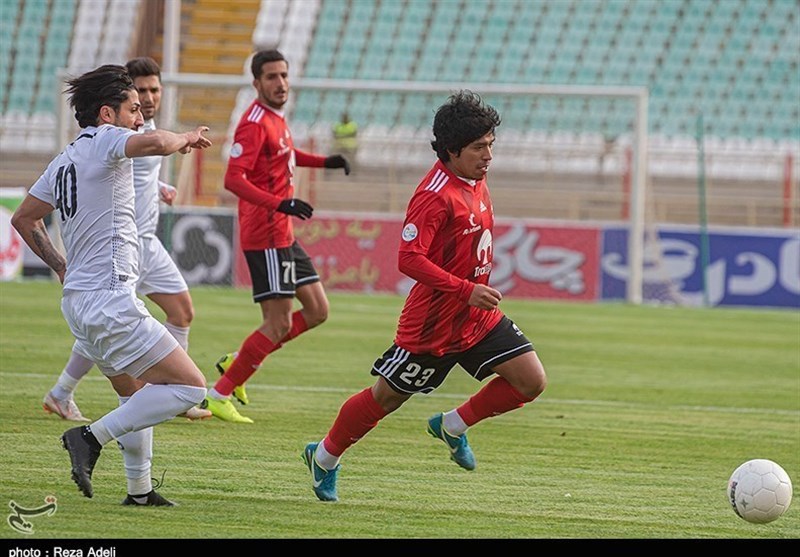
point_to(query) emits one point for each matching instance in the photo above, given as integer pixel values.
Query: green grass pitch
(647, 412)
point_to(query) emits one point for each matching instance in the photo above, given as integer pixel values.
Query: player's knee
(536, 383)
(318, 316)
(532, 383)
(540, 385)
(188, 315)
(194, 379)
(183, 317)
(386, 397)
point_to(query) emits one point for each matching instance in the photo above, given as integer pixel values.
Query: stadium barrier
(536, 259)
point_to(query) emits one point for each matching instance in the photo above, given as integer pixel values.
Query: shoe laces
(157, 484)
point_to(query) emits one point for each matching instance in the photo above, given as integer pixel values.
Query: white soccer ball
(759, 491)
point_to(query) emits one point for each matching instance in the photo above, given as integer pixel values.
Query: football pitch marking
(457, 396)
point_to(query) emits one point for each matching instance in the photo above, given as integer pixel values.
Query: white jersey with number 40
(90, 184)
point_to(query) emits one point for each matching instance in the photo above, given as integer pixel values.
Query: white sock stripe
(325, 459)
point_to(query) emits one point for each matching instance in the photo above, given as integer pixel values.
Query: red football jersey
(446, 247)
(260, 169)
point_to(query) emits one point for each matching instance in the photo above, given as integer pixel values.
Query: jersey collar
(279, 113)
(466, 181)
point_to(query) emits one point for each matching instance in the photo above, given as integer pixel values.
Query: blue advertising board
(745, 267)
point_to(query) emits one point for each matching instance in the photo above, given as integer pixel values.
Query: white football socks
(148, 406)
(453, 423)
(137, 456)
(181, 334)
(324, 458)
(77, 366)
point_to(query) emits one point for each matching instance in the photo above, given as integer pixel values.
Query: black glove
(297, 208)
(338, 161)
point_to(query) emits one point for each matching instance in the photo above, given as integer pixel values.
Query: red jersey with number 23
(446, 246)
(260, 169)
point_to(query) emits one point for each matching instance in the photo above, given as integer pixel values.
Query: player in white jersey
(159, 277)
(90, 187)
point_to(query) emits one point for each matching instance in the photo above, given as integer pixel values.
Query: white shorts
(158, 273)
(114, 329)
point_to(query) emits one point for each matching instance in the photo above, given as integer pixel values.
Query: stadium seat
(694, 56)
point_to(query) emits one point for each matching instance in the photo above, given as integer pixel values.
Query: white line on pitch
(543, 400)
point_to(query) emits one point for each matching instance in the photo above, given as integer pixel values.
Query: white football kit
(158, 273)
(90, 184)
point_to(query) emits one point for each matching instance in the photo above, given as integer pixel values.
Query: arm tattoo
(47, 251)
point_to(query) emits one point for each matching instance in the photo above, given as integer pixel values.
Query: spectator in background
(345, 140)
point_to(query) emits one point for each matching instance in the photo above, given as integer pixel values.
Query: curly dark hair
(108, 85)
(460, 121)
(262, 57)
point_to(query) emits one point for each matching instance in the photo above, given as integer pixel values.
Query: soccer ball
(759, 491)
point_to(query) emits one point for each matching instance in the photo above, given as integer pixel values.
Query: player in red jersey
(450, 316)
(260, 168)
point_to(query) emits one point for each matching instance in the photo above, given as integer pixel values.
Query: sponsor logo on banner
(549, 262)
(360, 254)
(201, 243)
(745, 267)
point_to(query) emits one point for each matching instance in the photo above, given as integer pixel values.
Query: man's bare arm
(27, 220)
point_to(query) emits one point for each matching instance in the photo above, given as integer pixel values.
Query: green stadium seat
(360, 105)
(686, 51)
(34, 11)
(19, 100)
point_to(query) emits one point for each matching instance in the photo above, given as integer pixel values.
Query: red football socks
(357, 416)
(255, 348)
(497, 397)
(299, 326)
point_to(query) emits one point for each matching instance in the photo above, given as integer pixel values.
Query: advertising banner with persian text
(744, 267)
(359, 253)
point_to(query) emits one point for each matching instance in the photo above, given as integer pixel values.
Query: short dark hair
(108, 85)
(460, 121)
(262, 57)
(143, 67)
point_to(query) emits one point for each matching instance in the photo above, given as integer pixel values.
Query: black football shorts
(277, 272)
(422, 373)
